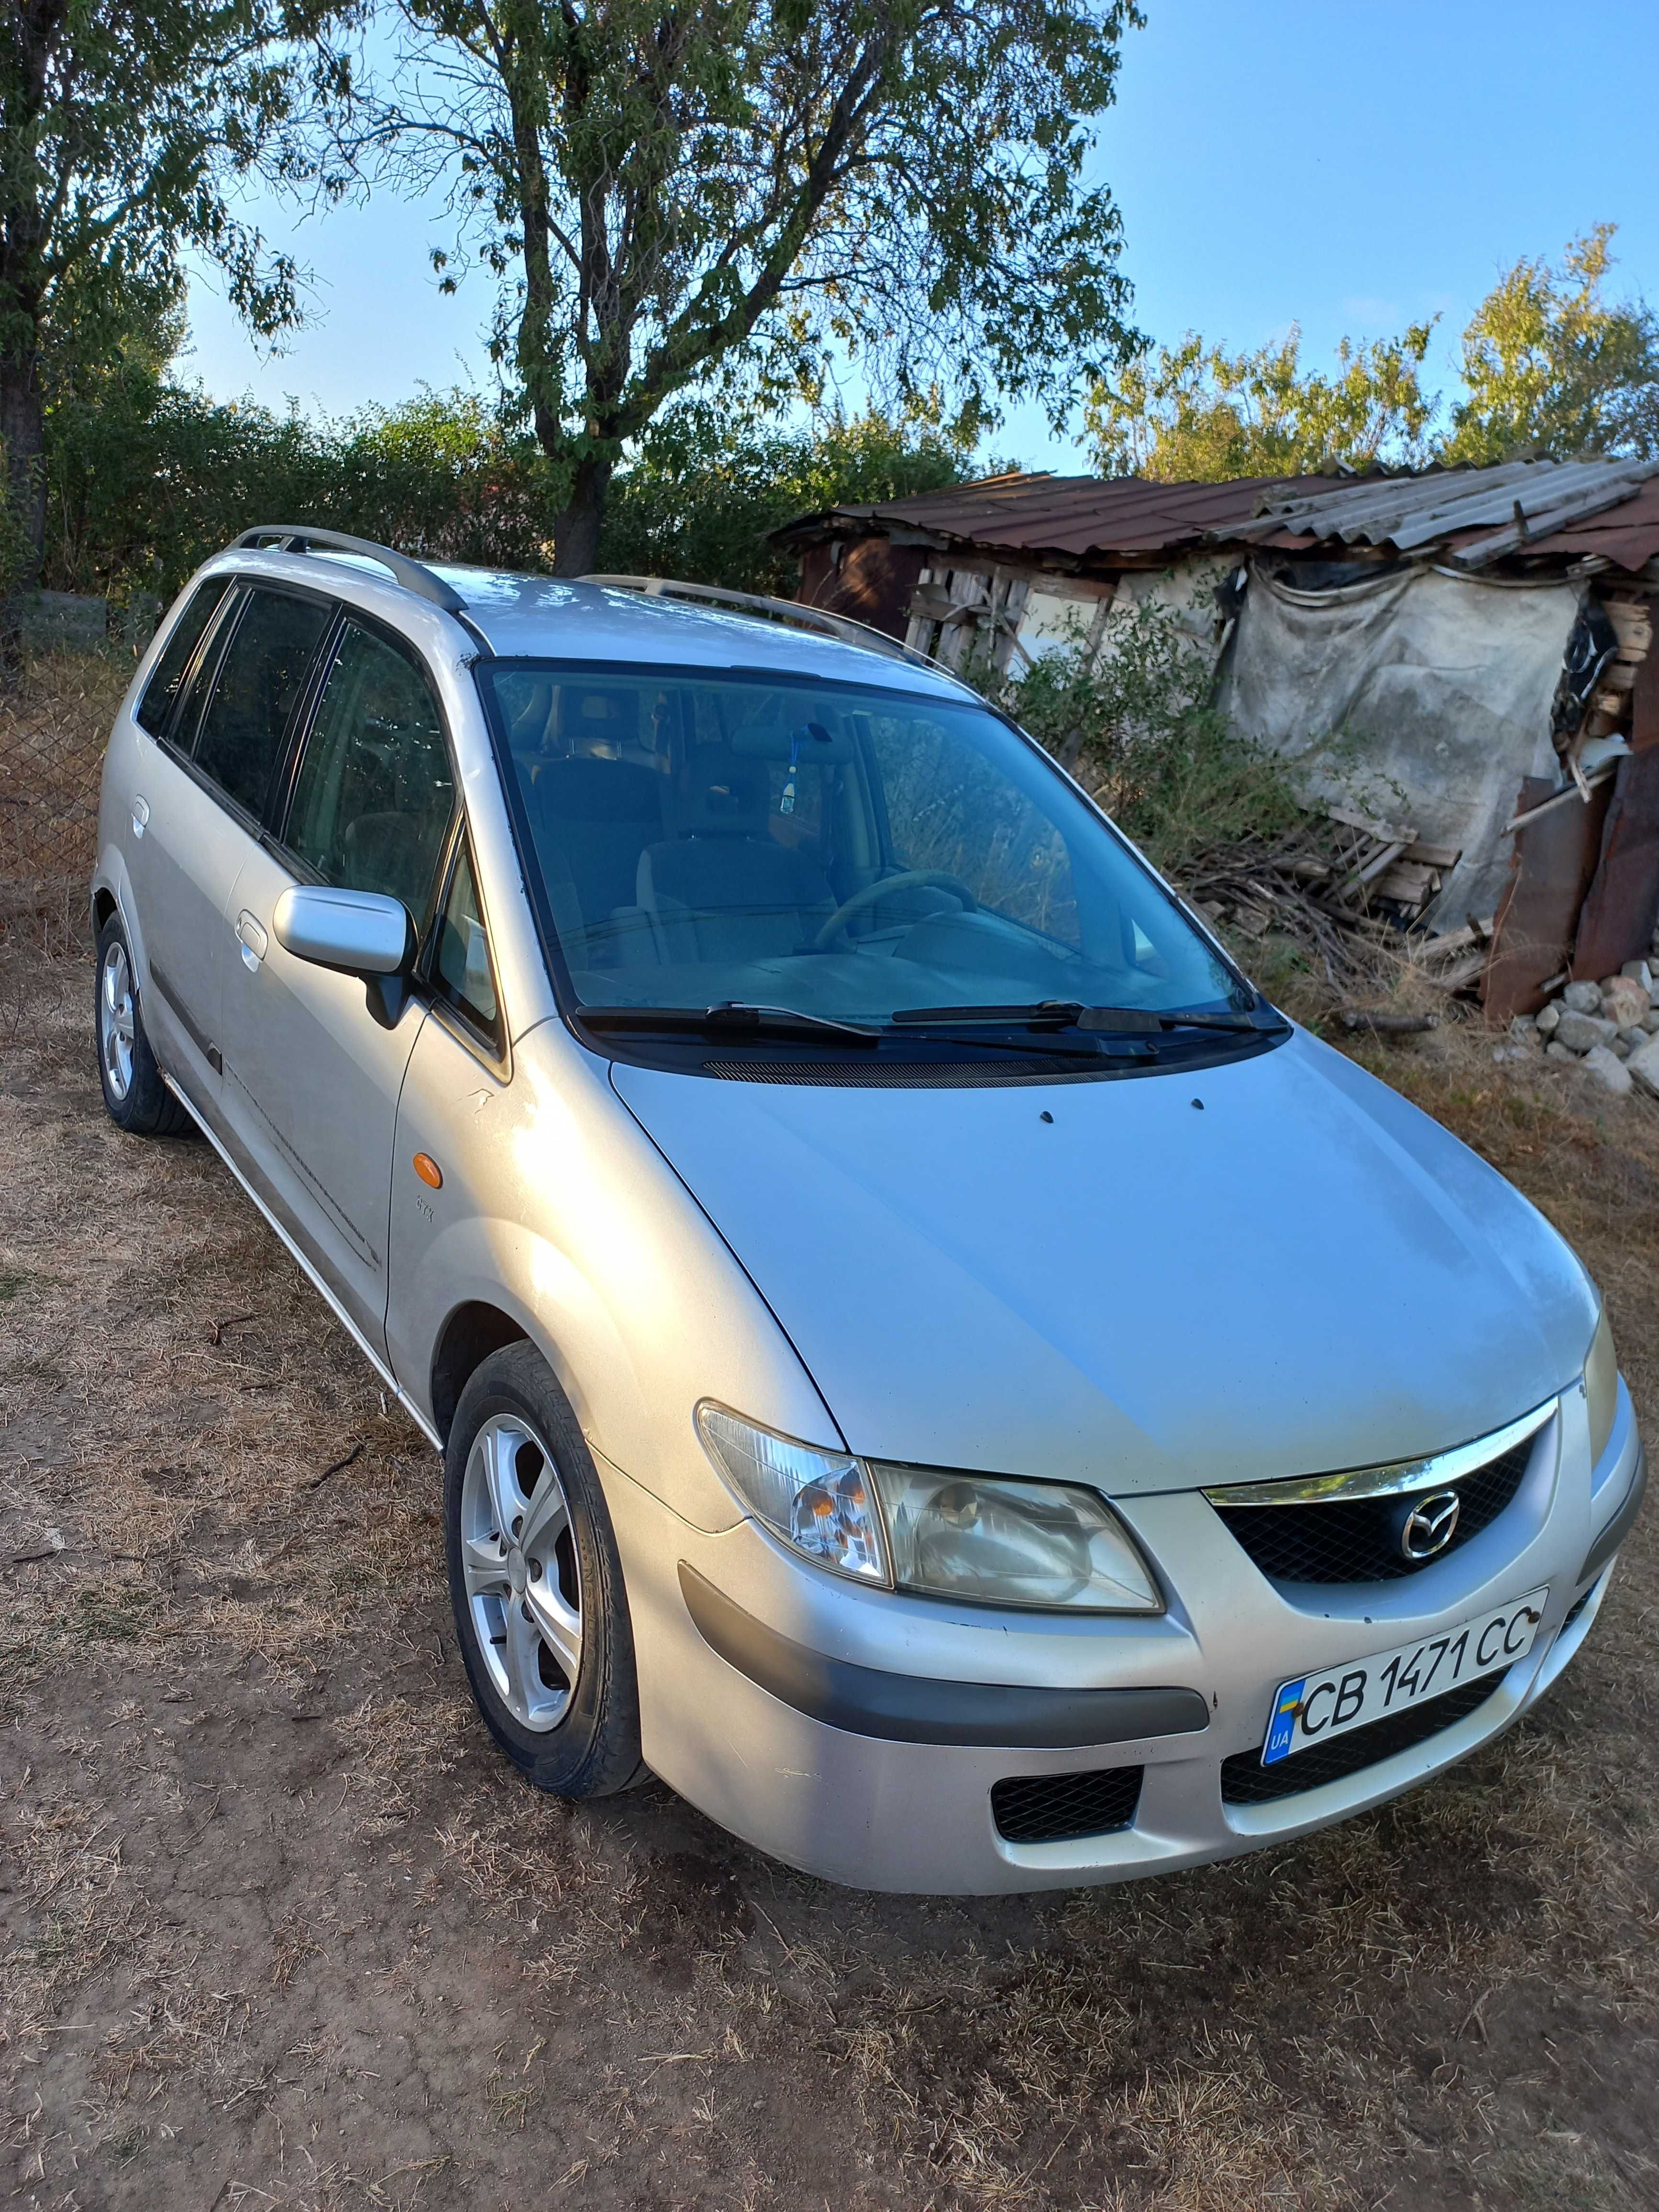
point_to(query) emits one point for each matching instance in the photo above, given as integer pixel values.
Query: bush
(705, 491)
(147, 479)
(1138, 727)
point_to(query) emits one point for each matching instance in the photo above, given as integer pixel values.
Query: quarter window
(170, 670)
(462, 971)
(375, 792)
(259, 680)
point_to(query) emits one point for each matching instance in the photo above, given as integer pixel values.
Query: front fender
(557, 1208)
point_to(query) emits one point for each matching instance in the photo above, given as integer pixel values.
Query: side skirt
(313, 1277)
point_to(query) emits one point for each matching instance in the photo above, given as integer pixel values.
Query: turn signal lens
(999, 1542)
(428, 1170)
(818, 1501)
(1601, 1386)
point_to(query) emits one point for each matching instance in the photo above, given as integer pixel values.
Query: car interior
(709, 836)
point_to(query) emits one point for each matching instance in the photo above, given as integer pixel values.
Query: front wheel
(137, 1098)
(534, 1576)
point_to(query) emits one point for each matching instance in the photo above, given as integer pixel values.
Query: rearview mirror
(356, 933)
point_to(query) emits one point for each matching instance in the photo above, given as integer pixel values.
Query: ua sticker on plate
(1286, 1707)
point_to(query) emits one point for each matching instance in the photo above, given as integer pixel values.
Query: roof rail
(302, 538)
(789, 611)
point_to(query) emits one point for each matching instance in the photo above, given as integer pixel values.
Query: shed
(1473, 640)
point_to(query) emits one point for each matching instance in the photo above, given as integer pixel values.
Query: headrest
(719, 795)
(598, 719)
(812, 744)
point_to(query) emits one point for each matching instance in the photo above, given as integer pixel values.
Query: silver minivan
(928, 1360)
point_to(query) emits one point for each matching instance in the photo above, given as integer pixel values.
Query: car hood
(1275, 1267)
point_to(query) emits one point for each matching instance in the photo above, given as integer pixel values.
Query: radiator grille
(1357, 1539)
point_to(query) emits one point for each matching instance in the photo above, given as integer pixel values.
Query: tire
(540, 1611)
(134, 1097)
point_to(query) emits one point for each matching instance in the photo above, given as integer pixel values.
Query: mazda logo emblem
(1429, 1527)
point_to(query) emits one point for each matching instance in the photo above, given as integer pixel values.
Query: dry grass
(276, 1926)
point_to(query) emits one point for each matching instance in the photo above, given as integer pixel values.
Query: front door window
(375, 791)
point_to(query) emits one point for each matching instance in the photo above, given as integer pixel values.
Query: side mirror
(356, 933)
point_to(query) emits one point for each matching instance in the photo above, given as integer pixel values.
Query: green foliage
(1195, 414)
(1552, 366)
(1138, 729)
(123, 126)
(706, 488)
(755, 189)
(146, 479)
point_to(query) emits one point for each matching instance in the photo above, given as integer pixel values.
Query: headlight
(1601, 1386)
(1003, 1543)
(990, 1539)
(818, 1501)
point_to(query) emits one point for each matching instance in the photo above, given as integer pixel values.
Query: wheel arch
(472, 1332)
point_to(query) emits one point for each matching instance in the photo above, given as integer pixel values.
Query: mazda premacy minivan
(928, 1360)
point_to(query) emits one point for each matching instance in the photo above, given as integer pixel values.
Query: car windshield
(838, 851)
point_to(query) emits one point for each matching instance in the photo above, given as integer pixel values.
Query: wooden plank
(1408, 882)
(1556, 855)
(1645, 706)
(1622, 903)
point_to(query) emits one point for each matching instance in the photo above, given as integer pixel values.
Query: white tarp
(1435, 691)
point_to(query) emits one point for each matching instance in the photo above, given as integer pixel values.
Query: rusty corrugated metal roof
(1069, 516)
(1476, 515)
(1627, 534)
(1480, 515)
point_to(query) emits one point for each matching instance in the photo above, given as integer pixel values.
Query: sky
(1348, 165)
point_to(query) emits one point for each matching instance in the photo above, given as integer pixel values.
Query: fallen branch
(356, 1452)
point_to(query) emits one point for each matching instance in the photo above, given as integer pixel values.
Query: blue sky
(1351, 167)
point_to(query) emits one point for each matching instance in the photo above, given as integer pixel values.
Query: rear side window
(172, 668)
(259, 678)
(375, 794)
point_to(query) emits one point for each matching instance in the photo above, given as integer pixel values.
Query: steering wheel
(912, 880)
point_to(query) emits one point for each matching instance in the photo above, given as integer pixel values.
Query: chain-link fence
(55, 716)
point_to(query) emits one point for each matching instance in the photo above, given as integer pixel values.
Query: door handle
(253, 940)
(140, 815)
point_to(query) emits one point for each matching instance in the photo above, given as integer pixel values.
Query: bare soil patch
(277, 1928)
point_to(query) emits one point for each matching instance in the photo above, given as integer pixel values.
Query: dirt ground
(278, 1928)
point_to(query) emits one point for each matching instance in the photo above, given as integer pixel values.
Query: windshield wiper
(1072, 1013)
(732, 1016)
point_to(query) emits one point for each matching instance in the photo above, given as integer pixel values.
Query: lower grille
(1575, 1609)
(1246, 1781)
(1058, 1808)
(1357, 1539)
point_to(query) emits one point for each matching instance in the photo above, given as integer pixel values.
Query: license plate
(1316, 1707)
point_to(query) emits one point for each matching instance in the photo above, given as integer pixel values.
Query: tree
(1552, 367)
(748, 189)
(122, 124)
(1196, 414)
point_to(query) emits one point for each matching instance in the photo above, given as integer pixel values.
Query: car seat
(721, 889)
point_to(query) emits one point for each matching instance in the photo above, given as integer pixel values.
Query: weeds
(1138, 730)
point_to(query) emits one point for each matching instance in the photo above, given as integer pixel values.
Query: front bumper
(859, 1734)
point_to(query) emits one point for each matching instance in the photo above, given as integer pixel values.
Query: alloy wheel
(117, 1020)
(523, 1580)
